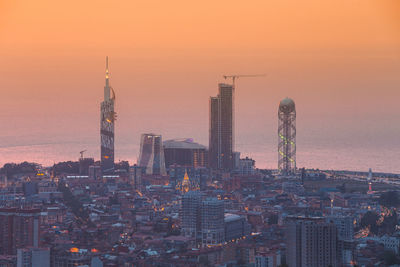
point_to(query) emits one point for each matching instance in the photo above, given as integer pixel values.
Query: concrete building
(84, 164)
(391, 243)
(344, 225)
(20, 228)
(272, 259)
(203, 220)
(246, 166)
(236, 227)
(95, 172)
(185, 152)
(28, 257)
(346, 244)
(212, 222)
(190, 214)
(221, 132)
(213, 152)
(152, 154)
(311, 242)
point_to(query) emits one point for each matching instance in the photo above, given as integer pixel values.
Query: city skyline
(345, 83)
(261, 133)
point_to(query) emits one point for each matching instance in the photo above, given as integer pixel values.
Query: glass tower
(107, 120)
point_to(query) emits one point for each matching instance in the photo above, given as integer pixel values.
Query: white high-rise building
(152, 154)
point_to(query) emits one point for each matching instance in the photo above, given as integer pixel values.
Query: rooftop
(185, 143)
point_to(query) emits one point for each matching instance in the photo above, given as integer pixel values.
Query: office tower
(152, 154)
(185, 152)
(221, 134)
(107, 120)
(20, 228)
(28, 257)
(287, 136)
(190, 214)
(311, 242)
(212, 222)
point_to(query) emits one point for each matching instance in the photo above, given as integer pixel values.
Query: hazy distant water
(346, 157)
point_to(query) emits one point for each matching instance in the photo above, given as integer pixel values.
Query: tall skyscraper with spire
(107, 120)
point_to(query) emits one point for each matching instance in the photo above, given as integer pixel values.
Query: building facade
(236, 227)
(203, 220)
(152, 154)
(221, 132)
(107, 121)
(272, 259)
(185, 152)
(135, 175)
(190, 214)
(28, 257)
(212, 222)
(20, 228)
(246, 166)
(213, 148)
(311, 242)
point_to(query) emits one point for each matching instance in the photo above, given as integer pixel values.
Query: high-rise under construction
(221, 135)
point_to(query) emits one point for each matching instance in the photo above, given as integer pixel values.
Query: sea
(310, 154)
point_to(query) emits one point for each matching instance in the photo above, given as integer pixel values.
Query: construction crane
(234, 77)
(82, 153)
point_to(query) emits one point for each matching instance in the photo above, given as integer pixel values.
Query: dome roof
(287, 105)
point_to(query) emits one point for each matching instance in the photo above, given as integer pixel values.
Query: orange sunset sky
(338, 59)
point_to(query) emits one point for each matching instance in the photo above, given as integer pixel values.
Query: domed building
(185, 152)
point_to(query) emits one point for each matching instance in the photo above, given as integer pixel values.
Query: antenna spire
(107, 72)
(107, 86)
